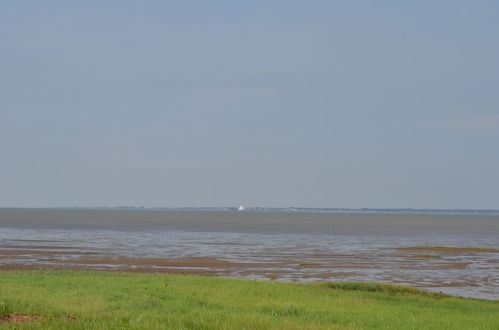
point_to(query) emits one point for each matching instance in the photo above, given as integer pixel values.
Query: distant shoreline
(290, 209)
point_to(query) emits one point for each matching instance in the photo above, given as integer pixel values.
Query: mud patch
(448, 249)
(17, 318)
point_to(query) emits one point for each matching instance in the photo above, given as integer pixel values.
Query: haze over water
(269, 245)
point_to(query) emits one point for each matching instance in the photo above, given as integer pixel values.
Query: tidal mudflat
(452, 253)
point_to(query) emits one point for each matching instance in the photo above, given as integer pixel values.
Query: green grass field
(105, 300)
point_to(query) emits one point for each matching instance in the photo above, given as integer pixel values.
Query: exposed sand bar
(448, 249)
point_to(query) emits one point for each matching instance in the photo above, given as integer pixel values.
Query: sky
(258, 103)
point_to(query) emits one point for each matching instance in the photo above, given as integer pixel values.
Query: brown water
(274, 245)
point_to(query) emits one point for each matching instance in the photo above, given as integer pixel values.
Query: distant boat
(241, 208)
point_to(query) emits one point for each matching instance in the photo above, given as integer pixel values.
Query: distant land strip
(271, 209)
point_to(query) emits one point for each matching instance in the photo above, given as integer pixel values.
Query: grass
(390, 289)
(102, 300)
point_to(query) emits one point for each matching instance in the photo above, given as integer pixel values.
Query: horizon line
(257, 208)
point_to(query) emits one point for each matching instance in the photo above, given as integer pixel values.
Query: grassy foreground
(102, 300)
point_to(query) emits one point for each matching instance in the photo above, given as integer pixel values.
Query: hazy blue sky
(269, 103)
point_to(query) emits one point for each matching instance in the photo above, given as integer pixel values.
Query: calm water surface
(275, 245)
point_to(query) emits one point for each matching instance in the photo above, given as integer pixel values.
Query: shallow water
(274, 245)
